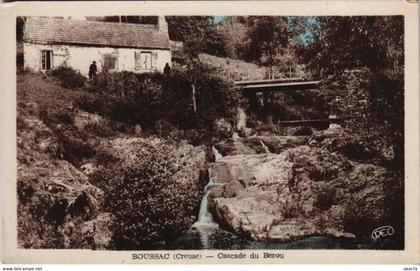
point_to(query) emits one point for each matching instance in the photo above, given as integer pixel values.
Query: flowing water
(265, 148)
(241, 124)
(205, 233)
(205, 224)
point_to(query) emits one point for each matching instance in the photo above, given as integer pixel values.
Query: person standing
(167, 69)
(92, 71)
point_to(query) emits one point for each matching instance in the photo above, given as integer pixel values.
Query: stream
(205, 233)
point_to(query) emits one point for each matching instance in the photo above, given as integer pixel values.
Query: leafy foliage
(153, 198)
(376, 43)
(146, 99)
(183, 28)
(233, 33)
(267, 35)
(372, 41)
(69, 78)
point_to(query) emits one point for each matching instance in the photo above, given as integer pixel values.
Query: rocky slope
(68, 161)
(300, 190)
(55, 198)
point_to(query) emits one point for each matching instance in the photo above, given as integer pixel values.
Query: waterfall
(216, 153)
(205, 223)
(265, 148)
(205, 218)
(241, 119)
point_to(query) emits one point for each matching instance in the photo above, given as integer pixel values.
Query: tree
(215, 42)
(20, 25)
(183, 28)
(349, 42)
(233, 32)
(377, 44)
(266, 36)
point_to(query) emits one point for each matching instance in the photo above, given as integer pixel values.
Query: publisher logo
(382, 232)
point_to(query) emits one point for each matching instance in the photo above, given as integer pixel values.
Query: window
(110, 63)
(46, 60)
(143, 60)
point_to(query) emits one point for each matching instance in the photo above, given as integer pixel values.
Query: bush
(386, 109)
(90, 103)
(69, 78)
(147, 99)
(75, 146)
(155, 197)
(53, 117)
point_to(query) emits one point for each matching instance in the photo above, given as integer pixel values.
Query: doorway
(46, 60)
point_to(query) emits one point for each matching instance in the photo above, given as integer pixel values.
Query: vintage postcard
(210, 132)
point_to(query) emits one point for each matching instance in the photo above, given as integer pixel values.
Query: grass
(239, 70)
(43, 91)
(234, 68)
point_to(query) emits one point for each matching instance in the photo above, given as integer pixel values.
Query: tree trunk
(193, 98)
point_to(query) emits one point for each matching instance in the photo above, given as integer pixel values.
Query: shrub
(147, 99)
(69, 78)
(53, 117)
(154, 197)
(90, 104)
(75, 146)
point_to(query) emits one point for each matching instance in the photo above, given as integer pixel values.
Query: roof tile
(63, 31)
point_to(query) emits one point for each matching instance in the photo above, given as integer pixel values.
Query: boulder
(258, 144)
(300, 192)
(88, 168)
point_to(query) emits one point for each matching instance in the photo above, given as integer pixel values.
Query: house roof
(93, 33)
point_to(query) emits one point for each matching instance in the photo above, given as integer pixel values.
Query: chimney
(162, 25)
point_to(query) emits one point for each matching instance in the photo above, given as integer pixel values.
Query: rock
(232, 189)
(219, 172)
(252, 145)
(245, 132)
(299, 131)
(300, 192)
(88, 168)
(101, 229)
(234, 147)
(83, 118)
(48, 188)
(388, 153)
(137, 129)
(334, 126)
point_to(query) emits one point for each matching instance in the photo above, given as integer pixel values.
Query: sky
(305, 38)
(218, 19)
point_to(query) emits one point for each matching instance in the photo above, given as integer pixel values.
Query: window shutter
(137, 59)
(154, 60)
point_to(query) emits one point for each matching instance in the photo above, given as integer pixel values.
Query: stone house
(51, 42)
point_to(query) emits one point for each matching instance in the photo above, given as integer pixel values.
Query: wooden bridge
(252, 87)
(276, 85)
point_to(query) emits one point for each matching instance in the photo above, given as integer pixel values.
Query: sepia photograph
(210, 132)
(196, 132)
